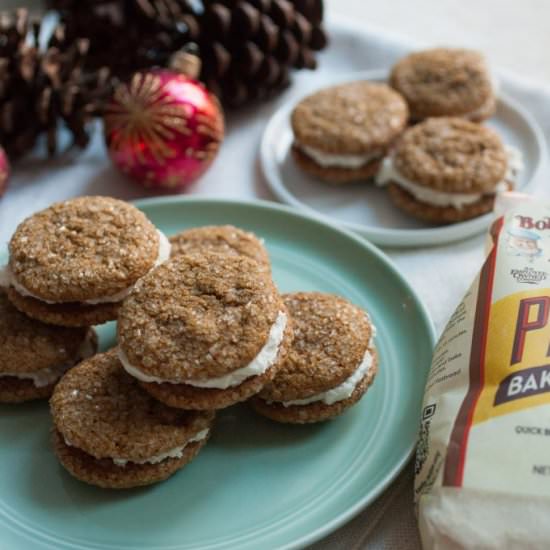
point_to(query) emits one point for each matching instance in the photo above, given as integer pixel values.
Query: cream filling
(7, 278)
(49, 375)
(389, 173)
(338, 161)
(176, 452)
(341, 392)
(265, 359)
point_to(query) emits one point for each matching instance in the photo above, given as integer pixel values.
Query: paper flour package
(483, 459)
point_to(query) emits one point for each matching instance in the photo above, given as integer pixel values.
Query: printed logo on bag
(528, 275)
(527, 222)
(523, 242)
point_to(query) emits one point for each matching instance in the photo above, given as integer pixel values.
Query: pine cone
(247, 47)
(122, 33)
(250, 47)
(39, 88)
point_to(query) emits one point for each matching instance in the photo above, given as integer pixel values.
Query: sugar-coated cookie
(330, 365)
(445, 82)
(109, 432)
(448, 169)
(224, 239)
(341, 133)
(216, 341)
(73, 263)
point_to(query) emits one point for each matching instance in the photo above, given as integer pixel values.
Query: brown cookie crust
(443, 82)
(451, 155)
(100, 409)
(17, 390)
(438, 214)
(224, 239)
(334, 174)
(331, 336)
(64, 315)
(83, 248)
(106, 474)
(351, 118)
(217, 322)
(314, 412)
(184, 396)
(29, 345)
(487, 110)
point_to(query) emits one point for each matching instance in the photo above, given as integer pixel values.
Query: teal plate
(257, 484)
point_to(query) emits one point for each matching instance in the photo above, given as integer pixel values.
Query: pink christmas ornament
(163, 128)
(4, 171)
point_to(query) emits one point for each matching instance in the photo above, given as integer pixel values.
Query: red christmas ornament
(4, 171)
(163, 128)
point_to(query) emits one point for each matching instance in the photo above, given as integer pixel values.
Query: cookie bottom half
(183, 396)
(335, 174)
(485, 111)
(438, 214)
(18, 390)
(106, 474)
(316, 411)
(65, 315)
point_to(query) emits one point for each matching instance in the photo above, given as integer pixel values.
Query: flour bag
(483, 458)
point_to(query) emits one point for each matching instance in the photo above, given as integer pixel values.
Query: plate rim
(393, 238)
(370, 248)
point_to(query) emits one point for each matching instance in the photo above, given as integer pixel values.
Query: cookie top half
(352, 118)
(443, 82)
(451, 155)
(224, 239)
(331, 337)
(82, 249)
(29, 346)
(102, 410)
(198, 316)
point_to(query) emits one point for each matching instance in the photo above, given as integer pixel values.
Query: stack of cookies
(70, 267)
(446, 168)
(227, 335)
(201, 326)
(36, 355)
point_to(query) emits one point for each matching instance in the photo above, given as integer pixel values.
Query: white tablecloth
(439, 274)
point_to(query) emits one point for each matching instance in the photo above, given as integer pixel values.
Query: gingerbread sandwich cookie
(34, 356)
(216, 341)
(329, 366)
(342, 133)
(73, 263)
(446, 82)
(447, 170)
(110, 433)
(223, 239)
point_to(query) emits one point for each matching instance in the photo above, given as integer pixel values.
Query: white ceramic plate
(366, 209)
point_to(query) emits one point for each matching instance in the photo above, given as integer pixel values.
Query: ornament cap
(186, 61)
